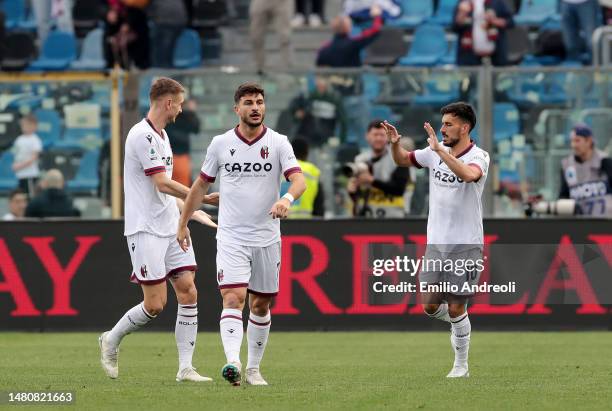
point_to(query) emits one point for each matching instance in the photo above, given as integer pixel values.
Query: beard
(449, 141)
(251, 123)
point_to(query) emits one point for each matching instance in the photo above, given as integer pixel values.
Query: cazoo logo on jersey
(446, 177)
(247, 167)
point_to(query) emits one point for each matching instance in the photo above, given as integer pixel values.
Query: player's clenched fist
(183, 238)
(280, 209)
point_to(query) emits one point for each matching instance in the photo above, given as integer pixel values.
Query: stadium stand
(428, 46)
(8, 181)
(86, 179)
(19, 51)
(188, 50)
(413, 14)
(92, 53)
(444, 13)
(58, 52)
(386, 50)
(537, 12)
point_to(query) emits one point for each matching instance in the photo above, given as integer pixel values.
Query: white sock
(441, 313)
(258, 330)
(186, 332)
(460, 338)
(132, 320)
(231, 333)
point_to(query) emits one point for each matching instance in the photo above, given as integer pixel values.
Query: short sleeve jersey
(148, 152)
(455, 207)
(250, 174)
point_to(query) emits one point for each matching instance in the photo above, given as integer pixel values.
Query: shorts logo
(232, 151)
(220, 275)
(143, 270)
(264, 152)
(133, 247)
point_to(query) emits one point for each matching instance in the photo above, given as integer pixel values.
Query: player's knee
(233, 300)
(430, 309)
(189, 295)
(155, 306)
(455, 310)
(260, 308)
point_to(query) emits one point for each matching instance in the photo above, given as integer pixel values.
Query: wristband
(289, 197)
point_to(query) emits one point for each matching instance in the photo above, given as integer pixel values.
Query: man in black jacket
(52, 201)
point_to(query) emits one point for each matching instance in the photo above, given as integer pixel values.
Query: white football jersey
(250, 175)
(148, 152)
(455, 207)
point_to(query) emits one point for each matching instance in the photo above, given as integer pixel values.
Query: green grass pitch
(353, 371)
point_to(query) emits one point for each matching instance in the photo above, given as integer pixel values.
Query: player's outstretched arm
(400, 155)
(174, 188)
(198, 215)
(466, 172)
(192, 202)
(280, 209)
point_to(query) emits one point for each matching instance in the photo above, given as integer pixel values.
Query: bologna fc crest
(143, 270)
(220, 275)
(264, 152)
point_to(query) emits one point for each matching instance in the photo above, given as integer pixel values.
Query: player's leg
(263, 287)
(233, 273)
(186, 329)
(232, 330)
(146, 252)
(460, 335)
(258, 330)
(435, 306)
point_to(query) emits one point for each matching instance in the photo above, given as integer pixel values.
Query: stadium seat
(208, 13)
(371, 86)
(58, 52)
(536, 12)
(19, 51)
(413, 14)
(79, 138)
(8, 181)
(428, 47)
(444, 13)
(438, 92)
(49, 125)
(518, 44)
(85, 16)
(187, 50)
(92, 53)
(382, 112)
(450, 58)
(86, 179)
(388, 47)
(16, 16)
(506, 121)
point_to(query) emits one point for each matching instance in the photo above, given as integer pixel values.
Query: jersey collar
(154, 129)
(255, 140)
(464, 152)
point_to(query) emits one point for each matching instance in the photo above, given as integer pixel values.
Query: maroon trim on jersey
(235, 317)
(206, 177)
(260, 324)
(181, 269)
(479, 169)
(154, 170)
(154, 129)
(136, 280)
(237, 285)
(255, 140)
(467, 149)
(413, 159)
(290, 171)
(262, 294)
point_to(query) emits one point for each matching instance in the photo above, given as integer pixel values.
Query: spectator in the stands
(52, 201)
(344, 50)
(579, 19)
(18, 200)
(607, 12)
(481, 26)
(377, 185)
(52, 13)
(186, 124)
(169, 18)
(126, 36)
(318, 113)
(359, 10)
(261, 13)
(313, 14)
(27, 148)
(311, 203)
